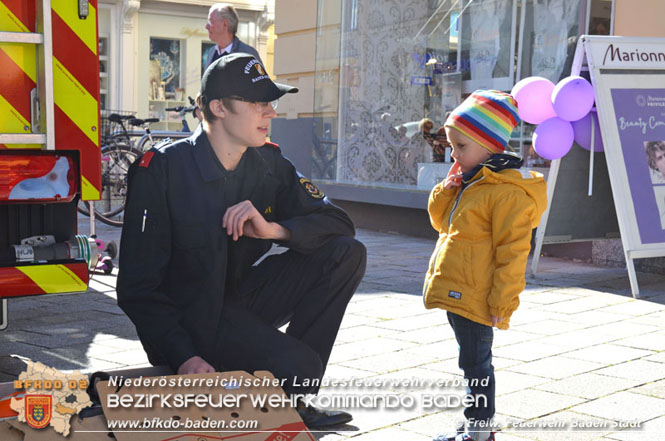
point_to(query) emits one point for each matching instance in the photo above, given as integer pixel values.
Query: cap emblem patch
(259, 70)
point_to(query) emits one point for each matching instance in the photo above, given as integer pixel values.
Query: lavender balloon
(553, 138)
(582, 129)
(534, 99)
(572, 98)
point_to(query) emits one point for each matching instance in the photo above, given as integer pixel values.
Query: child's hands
(496, 320)
(453, 181)
(454, 178)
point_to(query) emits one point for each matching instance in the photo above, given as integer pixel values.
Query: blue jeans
(475, 359)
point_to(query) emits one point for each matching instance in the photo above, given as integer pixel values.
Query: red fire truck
(49, 144)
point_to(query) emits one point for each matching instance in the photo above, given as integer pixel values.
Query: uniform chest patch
(455, 295)
(312, 189)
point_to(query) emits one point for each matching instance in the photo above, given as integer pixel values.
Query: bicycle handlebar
(180, 109)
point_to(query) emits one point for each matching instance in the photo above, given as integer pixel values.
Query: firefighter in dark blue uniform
(202, 211)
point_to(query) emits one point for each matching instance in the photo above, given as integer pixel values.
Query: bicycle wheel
(116, 159)
(84, 207)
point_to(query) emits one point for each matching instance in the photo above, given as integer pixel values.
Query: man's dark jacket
(238, 46)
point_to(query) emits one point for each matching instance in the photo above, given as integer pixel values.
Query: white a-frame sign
(628, 77)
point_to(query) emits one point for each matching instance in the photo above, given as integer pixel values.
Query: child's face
(466, 152)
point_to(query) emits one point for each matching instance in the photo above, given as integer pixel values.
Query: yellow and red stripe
(30, 280)
(75, 82)
(18, 15)
(76, 90)
(19, 65)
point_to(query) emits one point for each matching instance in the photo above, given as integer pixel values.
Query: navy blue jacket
(238, 46)
(173, 253)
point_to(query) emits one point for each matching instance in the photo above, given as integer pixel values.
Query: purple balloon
(553, 138)
(582, 129)
(572, 98)
(534, 99)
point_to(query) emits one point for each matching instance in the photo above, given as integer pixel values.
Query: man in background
(222, 26)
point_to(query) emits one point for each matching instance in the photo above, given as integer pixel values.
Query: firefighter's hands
(195, 365)
(243, 219)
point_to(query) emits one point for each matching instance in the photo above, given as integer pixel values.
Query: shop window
(165, 60)
(600, 17)
(549, 37)
(104, 72)
(385, 77)
(165, 81)
(106, 63)
(487, 42)
(550, 30)
(398, 68)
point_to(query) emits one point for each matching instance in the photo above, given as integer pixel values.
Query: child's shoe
(477, 436)
(449, 436)
(460, 437)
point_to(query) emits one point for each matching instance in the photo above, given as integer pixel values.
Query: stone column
(128, 55)
(263, 23)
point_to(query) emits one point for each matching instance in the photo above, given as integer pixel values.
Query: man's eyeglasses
(260, 105)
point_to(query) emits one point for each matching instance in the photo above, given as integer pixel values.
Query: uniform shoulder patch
(272, 144)
(146, 158)
(312, 189)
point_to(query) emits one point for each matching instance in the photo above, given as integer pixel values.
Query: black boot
(319, 419)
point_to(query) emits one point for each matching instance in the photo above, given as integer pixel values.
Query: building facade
(152, 51)
(370, 73)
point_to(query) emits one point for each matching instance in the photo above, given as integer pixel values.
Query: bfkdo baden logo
(49, 398)
(38, 410)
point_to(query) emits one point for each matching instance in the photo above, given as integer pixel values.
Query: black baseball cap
(242, 75)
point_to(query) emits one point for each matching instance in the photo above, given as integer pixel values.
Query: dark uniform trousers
(308, 291)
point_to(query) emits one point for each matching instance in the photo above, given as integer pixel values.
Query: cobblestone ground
(580, 349)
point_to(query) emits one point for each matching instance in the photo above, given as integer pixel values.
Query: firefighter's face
(248, 123)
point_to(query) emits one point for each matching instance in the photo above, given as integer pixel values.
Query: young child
(484, 212)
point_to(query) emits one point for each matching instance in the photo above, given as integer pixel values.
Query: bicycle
(151, 137)
(116, 159)
(119, 154)
(114, 129)
(183, 111)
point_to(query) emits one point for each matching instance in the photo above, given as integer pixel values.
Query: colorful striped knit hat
(488, 117)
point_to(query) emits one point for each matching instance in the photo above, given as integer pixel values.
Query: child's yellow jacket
(477, 268)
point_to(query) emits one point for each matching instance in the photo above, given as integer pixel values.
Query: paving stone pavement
(580, 349)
